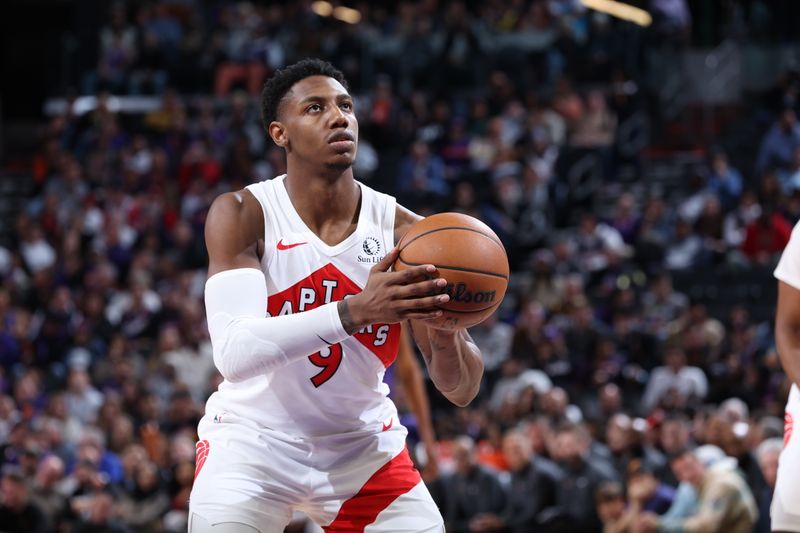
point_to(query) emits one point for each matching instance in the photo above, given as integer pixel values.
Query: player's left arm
(787, 329)
(409, 374)
(454, 362)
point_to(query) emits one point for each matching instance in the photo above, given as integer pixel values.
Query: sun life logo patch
(372, 247)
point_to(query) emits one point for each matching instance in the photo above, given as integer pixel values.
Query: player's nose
(338, 118)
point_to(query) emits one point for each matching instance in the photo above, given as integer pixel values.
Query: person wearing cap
(724, 501)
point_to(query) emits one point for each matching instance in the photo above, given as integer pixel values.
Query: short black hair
(284, 79)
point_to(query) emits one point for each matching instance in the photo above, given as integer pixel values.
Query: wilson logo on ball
(459, 293)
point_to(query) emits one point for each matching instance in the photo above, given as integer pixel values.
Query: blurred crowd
(612, 401)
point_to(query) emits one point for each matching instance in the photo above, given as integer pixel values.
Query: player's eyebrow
(317, 98)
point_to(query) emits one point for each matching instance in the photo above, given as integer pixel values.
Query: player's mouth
(342, 141)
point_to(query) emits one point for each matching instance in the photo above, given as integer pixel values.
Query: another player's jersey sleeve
(788, 269)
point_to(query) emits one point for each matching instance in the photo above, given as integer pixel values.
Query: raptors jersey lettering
(340, 389)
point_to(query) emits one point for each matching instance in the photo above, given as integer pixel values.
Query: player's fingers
(414, 273)
(428, 302)
(421, 315)
(388, 260)
(421, 288)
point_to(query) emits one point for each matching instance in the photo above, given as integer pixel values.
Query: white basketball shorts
(345, 483)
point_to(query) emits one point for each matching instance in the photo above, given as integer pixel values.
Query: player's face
(320, 122)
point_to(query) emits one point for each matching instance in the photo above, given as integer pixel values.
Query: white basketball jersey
(341, 389)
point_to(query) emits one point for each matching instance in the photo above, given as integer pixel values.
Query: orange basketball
(468, 255)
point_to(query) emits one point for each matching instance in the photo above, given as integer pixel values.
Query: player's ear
(278, 133)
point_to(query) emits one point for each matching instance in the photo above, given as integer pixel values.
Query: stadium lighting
(620, 10)
(345, 14)
(323, 9)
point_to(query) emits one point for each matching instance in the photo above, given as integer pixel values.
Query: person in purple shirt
(643, 486)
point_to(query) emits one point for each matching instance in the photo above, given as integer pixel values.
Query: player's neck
(323, 200)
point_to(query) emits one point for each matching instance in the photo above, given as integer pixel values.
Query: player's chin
(339, 165)
(342, 161)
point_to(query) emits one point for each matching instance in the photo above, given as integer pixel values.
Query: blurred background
(642, 169)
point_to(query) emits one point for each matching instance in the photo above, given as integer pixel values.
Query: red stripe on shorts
(202, 453)
(392, 480)
(788, 424)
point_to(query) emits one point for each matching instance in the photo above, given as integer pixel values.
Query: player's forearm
(245, 342)
(455, 365)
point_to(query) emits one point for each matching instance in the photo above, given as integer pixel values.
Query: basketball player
(301, 420)
(785, 511)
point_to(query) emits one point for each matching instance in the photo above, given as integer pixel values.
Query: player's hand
(391, 297)
(430, 472)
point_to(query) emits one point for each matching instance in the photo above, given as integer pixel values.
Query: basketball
(469, 255)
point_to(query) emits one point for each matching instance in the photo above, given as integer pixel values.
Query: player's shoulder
(404, 218)
(236, 213)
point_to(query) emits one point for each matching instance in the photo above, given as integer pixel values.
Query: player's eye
(314, 108)
(347, 106)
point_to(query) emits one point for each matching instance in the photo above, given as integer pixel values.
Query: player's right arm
(246, 343)
(787, 316)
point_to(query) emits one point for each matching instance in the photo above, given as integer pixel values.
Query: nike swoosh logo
(282, 246)
(385, 427)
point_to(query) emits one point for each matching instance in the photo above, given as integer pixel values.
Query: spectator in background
(766, 236)
(673, 437)
(779, 143)
(596, 242)
(736, 221)
(790, 178)
(653, 234)
(472, 490)
(531, 491)
(662, 304)
(98, 514)
(421, 175)
(626, 448)
(615, 513)
(118, 51)
(626, 219)
(725, 503)
(18, 514)
(45, 492)
(674, 384)
(148, 502)
(650, 494)
(597, 126)
(535, 218)
(724, 181)
(494, 339)
(683, 252)
(727, 433)
(709, 227)
(82, 398)
(543, 154)
(767, 454)
(695, 194)
(581, 479)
